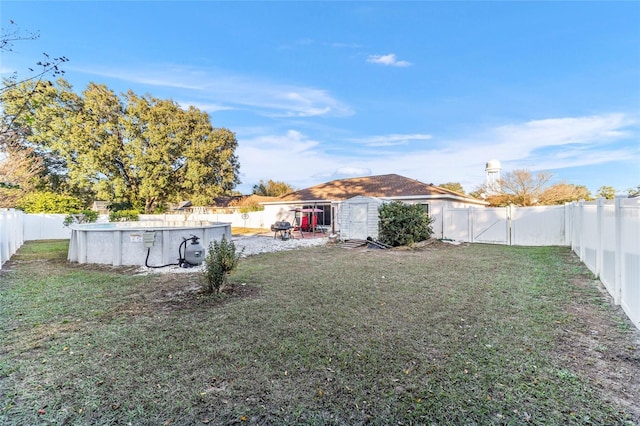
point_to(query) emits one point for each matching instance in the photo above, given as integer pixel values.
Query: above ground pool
(129, 243)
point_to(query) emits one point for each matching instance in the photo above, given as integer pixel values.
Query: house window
(324, 217)
(425, 208)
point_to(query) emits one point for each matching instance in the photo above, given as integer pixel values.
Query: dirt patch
(170, 293)
(600, 343)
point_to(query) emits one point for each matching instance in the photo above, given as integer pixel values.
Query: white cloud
(391, 140)
(551, 144)
(291, 157)
(233, 91)
(5, 70)
(208, 107)
(389, 60)
(352, 171)
(296, 159)
(564, 131)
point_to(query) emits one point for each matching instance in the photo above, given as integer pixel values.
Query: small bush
(403, 224)
(123, 216)
(220, 261)
(83, 216)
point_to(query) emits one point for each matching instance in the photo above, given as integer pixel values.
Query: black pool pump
(193, 252)
(190, 251)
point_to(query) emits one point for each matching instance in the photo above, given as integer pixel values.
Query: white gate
(474, 225)
(491, 226)
(517, 226)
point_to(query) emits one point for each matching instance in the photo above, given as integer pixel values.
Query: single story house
(350, 206)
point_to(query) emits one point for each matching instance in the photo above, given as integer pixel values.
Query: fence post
(599, 235)
(568, 224)
(11, 234)
(619, 274)
(510, 208)
(470, 226)
(21, 216)
(581, 221)
(4, 247)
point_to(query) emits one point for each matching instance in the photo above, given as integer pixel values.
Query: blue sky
(324, 90)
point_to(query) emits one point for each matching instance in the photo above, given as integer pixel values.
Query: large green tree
(136, 149)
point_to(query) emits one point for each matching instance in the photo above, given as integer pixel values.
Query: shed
(358, 217)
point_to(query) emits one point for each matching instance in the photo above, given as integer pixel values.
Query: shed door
(358, 221)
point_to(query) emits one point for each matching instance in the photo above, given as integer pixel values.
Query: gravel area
(252, 245)
(256, 244)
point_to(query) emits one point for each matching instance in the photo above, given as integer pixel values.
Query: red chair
(305, 223)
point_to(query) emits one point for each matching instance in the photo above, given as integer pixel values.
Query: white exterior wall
(436, 212)
(278, 212)
(284, 212)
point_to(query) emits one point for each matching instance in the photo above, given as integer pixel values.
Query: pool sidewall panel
(125, 246)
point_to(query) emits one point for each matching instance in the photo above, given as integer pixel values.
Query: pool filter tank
(193, 252)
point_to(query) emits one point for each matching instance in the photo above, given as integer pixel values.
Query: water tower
(493, 175)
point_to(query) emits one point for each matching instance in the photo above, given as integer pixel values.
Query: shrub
(83, 216)
(403, 224)
(220, 261)
(123, 216)
(49, 202)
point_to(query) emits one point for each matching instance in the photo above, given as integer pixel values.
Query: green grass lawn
(474, 334)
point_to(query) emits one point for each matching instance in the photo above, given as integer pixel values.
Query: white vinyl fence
(11, 233)
(45, 226)
(606, 236)
(514, 226)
